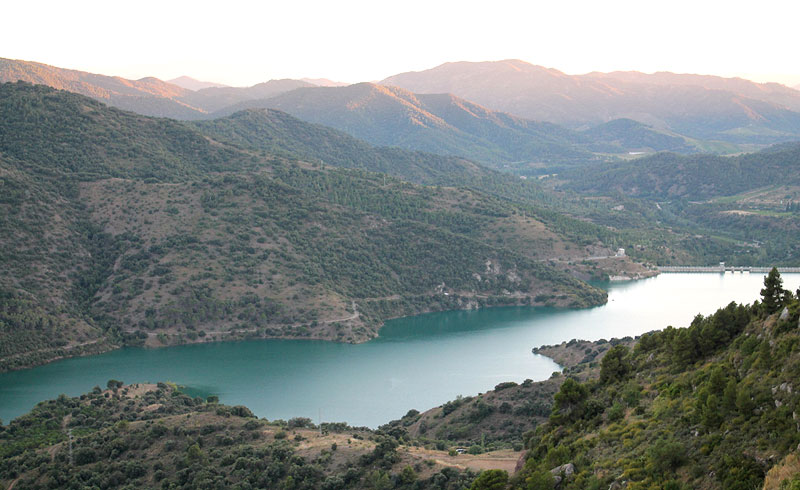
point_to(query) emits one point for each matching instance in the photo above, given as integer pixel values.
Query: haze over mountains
(438, 123)
(193, 84)
(508, 114)
(706, 107)
(148, 96)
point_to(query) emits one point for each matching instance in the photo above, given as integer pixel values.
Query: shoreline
(467, 303)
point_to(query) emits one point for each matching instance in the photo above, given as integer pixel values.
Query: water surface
(417, 362)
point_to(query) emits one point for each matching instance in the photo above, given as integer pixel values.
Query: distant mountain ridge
(148, 96)
(707, 107)
(437, 121)
(390, 116)
(449, 125)
(324, 82)
(190, 83)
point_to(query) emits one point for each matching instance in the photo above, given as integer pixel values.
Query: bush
(490, 480)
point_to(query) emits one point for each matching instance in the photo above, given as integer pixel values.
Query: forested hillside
(711, 405)
(752, 198)
(124, 229)
(708, 406)
(153, 436)
(648, 233)
(278, 133)
(669, 176)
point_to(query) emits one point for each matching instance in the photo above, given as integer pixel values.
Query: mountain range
(704, 107)
(447, 124)
(187, 99)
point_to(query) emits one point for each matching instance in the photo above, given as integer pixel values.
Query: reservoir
(417, 362)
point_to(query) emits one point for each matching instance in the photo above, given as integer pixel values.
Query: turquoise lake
(417, 362)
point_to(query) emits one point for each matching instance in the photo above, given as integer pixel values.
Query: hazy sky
(242, 43)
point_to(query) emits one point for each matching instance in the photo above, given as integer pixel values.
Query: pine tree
(773, 293)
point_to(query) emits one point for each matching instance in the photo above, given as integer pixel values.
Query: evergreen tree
(773, 293)
(615, 365)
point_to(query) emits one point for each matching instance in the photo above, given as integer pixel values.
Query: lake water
(417, 362)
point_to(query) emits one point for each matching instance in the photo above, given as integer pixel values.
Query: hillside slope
(752, 198)
(279, 133)
(708, 406)
(388, 116)
(148, 96)
(150, 436)
(670, 176)
(129, 229)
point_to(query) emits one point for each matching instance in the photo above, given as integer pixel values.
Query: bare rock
(520, 462)
(566, 469)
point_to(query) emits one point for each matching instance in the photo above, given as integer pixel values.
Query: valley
(481, 275)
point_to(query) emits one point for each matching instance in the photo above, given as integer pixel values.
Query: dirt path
(496, 460)
(354, 316)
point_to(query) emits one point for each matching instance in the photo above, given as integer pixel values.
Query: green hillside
(635, 136)
(279, 133)
(153, 436)
(124, 229)
(749, 200)
(696, 177)
(708, 406)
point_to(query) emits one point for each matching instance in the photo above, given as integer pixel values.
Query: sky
(241, 43)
